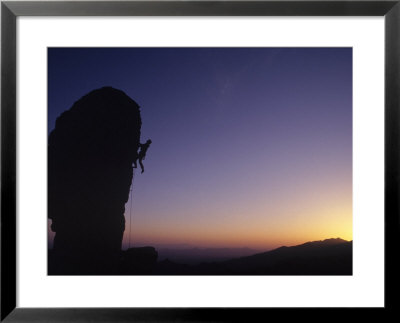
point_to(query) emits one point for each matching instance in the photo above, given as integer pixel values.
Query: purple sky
(251, 146)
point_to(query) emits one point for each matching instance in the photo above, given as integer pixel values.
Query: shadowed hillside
(193, 256)
(328, 257)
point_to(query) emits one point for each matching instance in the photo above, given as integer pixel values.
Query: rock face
(90, 156)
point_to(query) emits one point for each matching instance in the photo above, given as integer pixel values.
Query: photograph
(200, 161)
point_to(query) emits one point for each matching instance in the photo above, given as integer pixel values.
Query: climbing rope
(130, 210)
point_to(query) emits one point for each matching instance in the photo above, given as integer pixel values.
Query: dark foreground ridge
(327, 257)
(90, 156)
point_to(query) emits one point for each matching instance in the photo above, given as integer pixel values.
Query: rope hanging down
(130, 210)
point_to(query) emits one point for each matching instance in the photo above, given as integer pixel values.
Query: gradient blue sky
(251, 146)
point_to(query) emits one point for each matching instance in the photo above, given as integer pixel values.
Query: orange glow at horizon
(298, 223)
(311, 208)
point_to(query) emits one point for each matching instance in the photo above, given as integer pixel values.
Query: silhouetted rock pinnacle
(90, 156)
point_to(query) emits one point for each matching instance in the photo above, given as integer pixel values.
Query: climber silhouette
(142, 154)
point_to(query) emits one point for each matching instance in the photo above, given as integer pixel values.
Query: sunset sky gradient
(252, 147)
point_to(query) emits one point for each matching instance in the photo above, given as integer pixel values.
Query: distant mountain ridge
(331, 241)
(323, 257)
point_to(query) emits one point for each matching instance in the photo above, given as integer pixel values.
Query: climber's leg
(141, 164)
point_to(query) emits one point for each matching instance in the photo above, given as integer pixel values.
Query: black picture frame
(10, 10)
